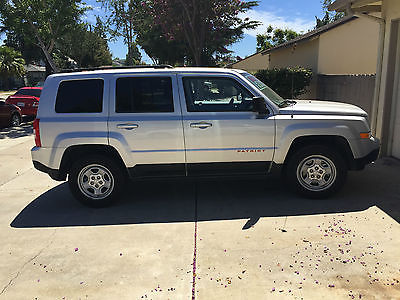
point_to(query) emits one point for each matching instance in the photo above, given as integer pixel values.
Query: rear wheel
(316, 171)
(96, 181)
(15, 120)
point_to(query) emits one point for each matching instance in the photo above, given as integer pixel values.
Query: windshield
(263, 88)
(29, 92)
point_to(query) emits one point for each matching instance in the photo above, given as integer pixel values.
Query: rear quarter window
(80, 96)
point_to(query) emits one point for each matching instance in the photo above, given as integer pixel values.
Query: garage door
(396, 101)
(396, 131)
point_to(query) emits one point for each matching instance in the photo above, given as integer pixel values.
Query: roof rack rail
(116, 68)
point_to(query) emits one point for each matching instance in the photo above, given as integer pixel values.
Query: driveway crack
(195, 243)
(27, 262)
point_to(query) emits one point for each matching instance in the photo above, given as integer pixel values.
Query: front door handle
(127, 126)
(201, 125)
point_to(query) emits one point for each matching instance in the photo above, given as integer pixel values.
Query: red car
(10, 115)
(27, 99)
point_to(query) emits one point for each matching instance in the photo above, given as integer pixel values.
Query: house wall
(351, 48)
(253, 63)
(303, 54)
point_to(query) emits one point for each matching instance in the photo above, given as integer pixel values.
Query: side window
(216, 94)
(80, 96)
(144, 95)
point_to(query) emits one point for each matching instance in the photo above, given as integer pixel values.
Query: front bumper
(360, 163)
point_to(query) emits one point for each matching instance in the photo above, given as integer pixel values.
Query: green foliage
(41, 22)
(133, 57)
(123, 17)
(11, 64)
(329, 17)
(91, 51)
(161, 50)
(289, 83)
(274, 37)
(201, 28)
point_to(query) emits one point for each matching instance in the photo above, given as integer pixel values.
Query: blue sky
(298, 15)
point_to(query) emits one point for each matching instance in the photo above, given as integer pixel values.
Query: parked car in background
(10, 115)
(27, 99)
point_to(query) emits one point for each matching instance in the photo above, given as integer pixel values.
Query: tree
(123, 17)
(93, 49)
(41, 22)
(11, 64)
(30, 52)
(151, 39)
(205, 26)
(329, 17)
(274, 37)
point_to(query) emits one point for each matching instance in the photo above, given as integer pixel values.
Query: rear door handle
(127, 126)
(201, 125)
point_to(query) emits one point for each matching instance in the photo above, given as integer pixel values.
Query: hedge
(289, 83)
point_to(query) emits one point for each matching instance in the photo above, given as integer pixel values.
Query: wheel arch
(75, 152)
(339, 143)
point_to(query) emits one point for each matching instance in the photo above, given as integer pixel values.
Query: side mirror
(259, 106)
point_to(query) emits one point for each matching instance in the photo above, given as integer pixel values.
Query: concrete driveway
(236, 239)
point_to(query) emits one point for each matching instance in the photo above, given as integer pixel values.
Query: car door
(145, 123)
(222, 133)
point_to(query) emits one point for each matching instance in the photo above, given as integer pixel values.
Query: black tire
(316, 159)
(109, 173)
(15, 120)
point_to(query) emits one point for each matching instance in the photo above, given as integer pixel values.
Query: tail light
(37, 132)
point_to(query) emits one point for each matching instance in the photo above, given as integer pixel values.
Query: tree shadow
(208, 200)
(25, 129)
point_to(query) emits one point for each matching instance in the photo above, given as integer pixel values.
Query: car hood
(313, 107)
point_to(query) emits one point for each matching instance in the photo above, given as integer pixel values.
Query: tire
(96, 181)
(316, 171)
(15, 120)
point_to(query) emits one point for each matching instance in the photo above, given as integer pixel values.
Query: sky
(298, 15)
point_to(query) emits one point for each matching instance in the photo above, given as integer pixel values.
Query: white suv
(102, 127)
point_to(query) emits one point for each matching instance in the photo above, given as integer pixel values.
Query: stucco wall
(304, 54)
(253, 63)
(350, 48)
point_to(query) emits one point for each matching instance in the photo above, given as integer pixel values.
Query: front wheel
(316, 171)
(96, 181)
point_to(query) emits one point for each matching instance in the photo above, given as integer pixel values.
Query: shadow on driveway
(183, 200)
(25, 129)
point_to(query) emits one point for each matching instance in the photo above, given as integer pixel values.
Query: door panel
(151, 137)
(238, 141)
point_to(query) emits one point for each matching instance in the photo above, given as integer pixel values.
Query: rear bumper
(28, 111)
(54, 174)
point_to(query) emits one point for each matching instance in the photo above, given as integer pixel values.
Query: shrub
(289, 83)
